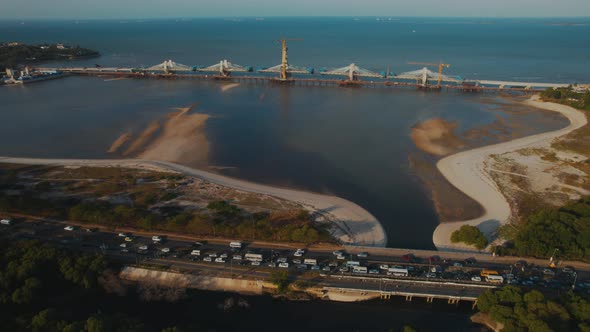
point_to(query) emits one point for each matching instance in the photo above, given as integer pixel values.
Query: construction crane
(284, 63)
(440, 68)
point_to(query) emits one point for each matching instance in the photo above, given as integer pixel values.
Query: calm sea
(352, 143)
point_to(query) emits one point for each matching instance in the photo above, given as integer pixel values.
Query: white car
(299, 253)
(475, 278)
(207, 259)
(144, 247)
(123, 245)
(237, 257)
(384, 267)
(128, 239)
(282, 260)
(340, 257)
(284, 265)
(165, 250)
(6, 222)
(224, 255)
(123, 235)
(296, 261)
(315, 268)
(213, 254)
(156, 238)
(337, 253)
(373, 271)
(362, 254)
(255, 263)
(69, 228)
(219, 260)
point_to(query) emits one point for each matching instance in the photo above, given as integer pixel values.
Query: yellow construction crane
(440, 68)
(284, 63)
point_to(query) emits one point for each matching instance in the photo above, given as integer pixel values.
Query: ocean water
(353, 143)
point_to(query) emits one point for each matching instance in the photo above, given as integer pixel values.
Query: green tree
(470, 235)
(280, 279)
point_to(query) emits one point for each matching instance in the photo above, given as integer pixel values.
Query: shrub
(470, 235)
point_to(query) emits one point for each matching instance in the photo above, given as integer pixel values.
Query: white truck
(397, 272)
(359, 269)
(253, 257)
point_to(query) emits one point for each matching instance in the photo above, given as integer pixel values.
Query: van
(310, 261)
(235, 245)
(7, 222)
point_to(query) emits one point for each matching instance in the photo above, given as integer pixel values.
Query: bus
(397, 272)
(484, 273)
(359, 269)
(310, 261)
(495, 279)
(235, 245)
(253, 257)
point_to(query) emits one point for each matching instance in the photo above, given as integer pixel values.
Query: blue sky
(81, 9)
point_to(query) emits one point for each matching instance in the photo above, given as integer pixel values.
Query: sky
(87, 9)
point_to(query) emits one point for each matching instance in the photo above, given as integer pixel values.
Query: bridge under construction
(284, 73)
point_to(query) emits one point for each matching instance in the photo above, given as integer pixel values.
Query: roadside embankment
(467, 171)
(350, 223)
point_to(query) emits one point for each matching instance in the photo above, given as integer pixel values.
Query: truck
(397, 271)
(235, 245)
(310, 261)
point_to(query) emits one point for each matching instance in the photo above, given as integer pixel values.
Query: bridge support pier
(453, 301)
(409, 298)
(474, 305)
(429, 299)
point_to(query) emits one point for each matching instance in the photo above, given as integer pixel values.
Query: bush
(470, 235)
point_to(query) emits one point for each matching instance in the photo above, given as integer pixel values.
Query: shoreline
(351, 224)
(466, 171)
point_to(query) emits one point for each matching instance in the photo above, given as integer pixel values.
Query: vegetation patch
(470, 235)
(532, 311)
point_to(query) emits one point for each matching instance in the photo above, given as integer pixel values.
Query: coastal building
(61, 46)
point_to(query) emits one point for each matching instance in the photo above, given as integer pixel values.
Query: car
(144, 247)
(373, 271)
(255, 263)
(123, 245)
(207, 259)
(69, 228)
(408, 258)
(337, 253)
(332, 264)
(196, 253)
(299, 252)
(327, 269)
(219, 260)
(124, 250)
(213, 254)
(128, 239)
(548, 272)
(6, 222)
(476, 278)
(430, 275)
(124, 234)
(296, 261)
(165, 250)
(223, 255)
(457, 264)
(237, 257)
(302, 266)
(198, 244)
(284, 265)
(272, 265)
(340, 257)
(90, 230)
(362, 254)
(156, 238)
(343, 268)
(281, 260)
(384, 267)
(315, 268)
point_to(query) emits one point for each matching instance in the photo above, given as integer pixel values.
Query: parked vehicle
(219, 260)
(281, 260)
(495, 279)
(353, 263)
(252, 257)
(374, 271)
(485, 272)
(144, 247)
(299, 252)
(383, 266)
(69, 228)
(337, 253)
(237, 257)
(196, 253)
(476, 278)
(302, 266)
(208, 259)
(165, 250)
(362, 254)
(284, 265)
(296, 261)
(123, 245)
(124, 234)
(315, 268)
(235, 245)
(397, 271)
(6, 222)
(128, 239)
(156, 238)
(255, 263)
(310, 261)
(359, 269)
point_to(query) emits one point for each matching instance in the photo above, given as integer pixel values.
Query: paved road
(179, 259)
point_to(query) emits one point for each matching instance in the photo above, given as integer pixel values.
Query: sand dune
(436, 136)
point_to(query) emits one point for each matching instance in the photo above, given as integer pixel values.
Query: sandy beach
(467, 171)
(352, 225)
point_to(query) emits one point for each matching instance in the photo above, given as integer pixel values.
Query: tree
(470, 235)
(280, 279)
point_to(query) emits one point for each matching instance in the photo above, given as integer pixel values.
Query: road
(450, 281)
